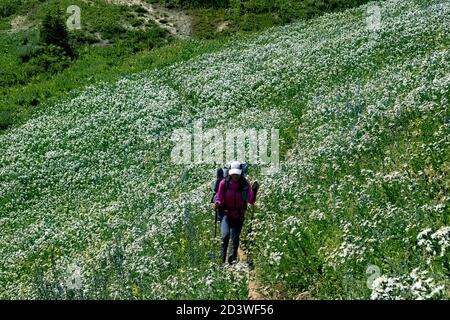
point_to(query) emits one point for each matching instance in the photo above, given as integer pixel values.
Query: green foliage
(53, 31)
(6, 118)
(51, 59)
(192, 3)
(47, 51)
(82, 37)
(256, 15)
(31, 45)
(206, 22)
(9, 7)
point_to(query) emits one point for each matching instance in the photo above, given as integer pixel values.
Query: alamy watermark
(212, 146)
(373, 19)
(373, 272)
(73, 278)
(373, 22)
(354, 283)
(74, 21)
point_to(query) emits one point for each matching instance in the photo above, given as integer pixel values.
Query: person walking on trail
(233, 195)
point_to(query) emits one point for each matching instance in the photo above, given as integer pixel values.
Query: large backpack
(221, 174)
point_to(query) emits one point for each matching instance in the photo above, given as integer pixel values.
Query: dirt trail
(255, 292)
(177, 22)
(253, 288)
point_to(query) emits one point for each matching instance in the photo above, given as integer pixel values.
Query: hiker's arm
(251, 196)
(220, 195)
(253, 190)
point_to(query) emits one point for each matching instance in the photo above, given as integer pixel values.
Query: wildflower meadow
(93, 207)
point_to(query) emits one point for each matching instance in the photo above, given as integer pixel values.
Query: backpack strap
(227, 183)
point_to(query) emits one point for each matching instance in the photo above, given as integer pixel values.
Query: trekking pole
(219, 177)
(215, 224)
(212, 254)
(255, 188)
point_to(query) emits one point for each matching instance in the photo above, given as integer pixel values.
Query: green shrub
(82, 37)
(112, 31)
(255, 15)
(7, 78)
(6, 118)
(136, 22)
(50, 59)
(54, 32)
(30, 46)
(9, 7)
(139, 9)
(137, 40)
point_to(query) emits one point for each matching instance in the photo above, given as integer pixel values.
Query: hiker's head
(235, 177)
(235, 170)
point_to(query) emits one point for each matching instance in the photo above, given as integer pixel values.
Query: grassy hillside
(114, 36)
(218, 17)
(31, 76)
(88, 183)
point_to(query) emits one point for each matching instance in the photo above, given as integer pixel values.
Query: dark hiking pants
(230, 228)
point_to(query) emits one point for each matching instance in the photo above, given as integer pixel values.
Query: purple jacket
(231, 199)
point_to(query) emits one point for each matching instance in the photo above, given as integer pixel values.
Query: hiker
(234, 193)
